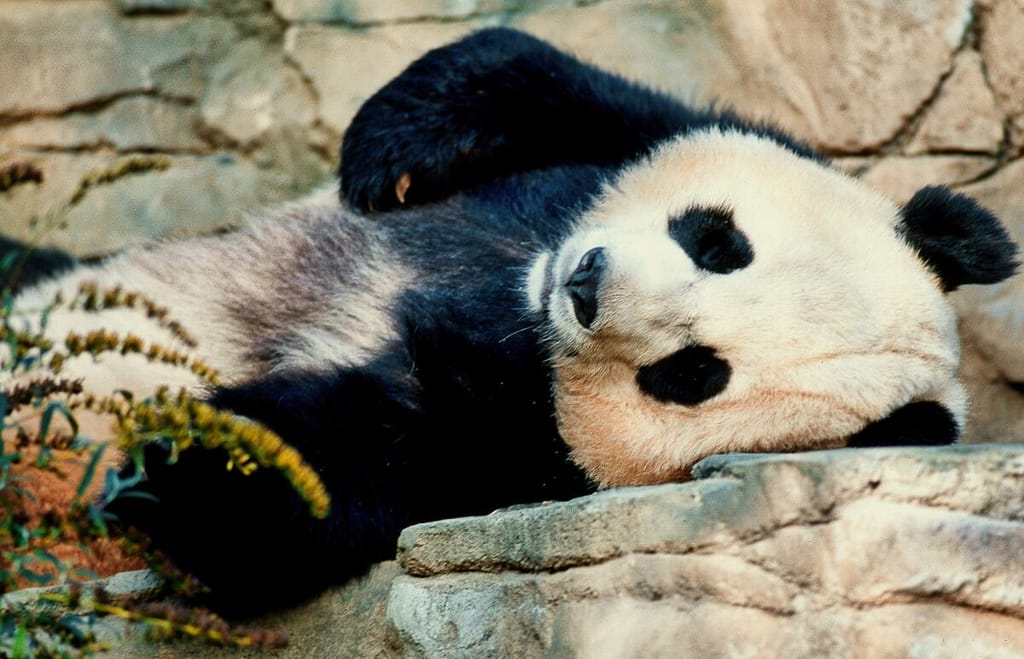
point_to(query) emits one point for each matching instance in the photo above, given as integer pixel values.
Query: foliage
(41, 435)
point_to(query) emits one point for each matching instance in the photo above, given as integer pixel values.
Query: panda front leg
(252, 538)
(496, 103)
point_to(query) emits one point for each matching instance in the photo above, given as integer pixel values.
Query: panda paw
(386, 164)
(433, 130)
(466, 113)
(925, 423)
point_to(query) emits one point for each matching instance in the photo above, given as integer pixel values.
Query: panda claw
(402, 186)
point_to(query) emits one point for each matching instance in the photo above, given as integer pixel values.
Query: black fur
(501, 102)
(23, 265)
(505, 141)
(688, 377)
(960, 240)
(452, 419)
(711, 240)
(918, 424)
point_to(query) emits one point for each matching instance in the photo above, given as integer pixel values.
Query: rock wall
(215, 107)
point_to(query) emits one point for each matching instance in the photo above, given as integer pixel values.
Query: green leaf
(47, 418)
(43, 555)
(35, 577)
(12, 346)
(90, 471)
(139, 494)
(8, 260)
(96, 517)
(20, 647)
(85, 573)
(20, 535)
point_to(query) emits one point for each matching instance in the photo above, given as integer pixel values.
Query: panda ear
(958, 238)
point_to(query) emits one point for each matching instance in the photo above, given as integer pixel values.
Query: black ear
(959, 239)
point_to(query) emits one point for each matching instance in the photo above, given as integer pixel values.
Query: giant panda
(540, 279)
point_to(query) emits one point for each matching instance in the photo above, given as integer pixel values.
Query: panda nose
(583, 285)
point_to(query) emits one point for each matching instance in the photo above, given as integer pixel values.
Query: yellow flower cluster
(185, 420)
(91, 298)
(100, 341)
(23, 342)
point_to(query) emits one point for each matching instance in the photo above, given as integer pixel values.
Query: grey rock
(253, 90)
(347, 621)
(135, 6)
(901, 176)
(82, 52)
(196, 194)
(138, 122)
(1002, 48)
(137, 585)
(347, 66)
(889, 552)
(359, 12)
(964, 117)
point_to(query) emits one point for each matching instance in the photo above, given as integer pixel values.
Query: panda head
(726, 294)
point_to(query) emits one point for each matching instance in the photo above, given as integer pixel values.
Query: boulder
(849, 553)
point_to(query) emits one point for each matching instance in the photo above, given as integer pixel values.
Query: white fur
(834, 324)
(258, 269)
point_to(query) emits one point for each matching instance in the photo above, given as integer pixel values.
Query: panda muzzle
(583, 285)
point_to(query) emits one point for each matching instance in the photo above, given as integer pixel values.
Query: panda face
(729, 295)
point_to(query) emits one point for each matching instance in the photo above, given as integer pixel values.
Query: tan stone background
(246, 102)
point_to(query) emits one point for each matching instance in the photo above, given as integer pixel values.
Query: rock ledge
(888, 552)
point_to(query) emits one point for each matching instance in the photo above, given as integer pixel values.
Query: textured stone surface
(1002, 47)
(837, 71)
(901, 176)
(133, 123)
(964, 116)
(81, 52)
(347, 66)
(348, 621)
(253, 90)
(839, 554)
(196, 194)
(381, 11)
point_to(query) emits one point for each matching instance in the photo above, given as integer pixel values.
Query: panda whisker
(518, 331)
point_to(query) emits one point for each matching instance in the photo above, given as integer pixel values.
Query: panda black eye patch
(710, 238)
(688, 377)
